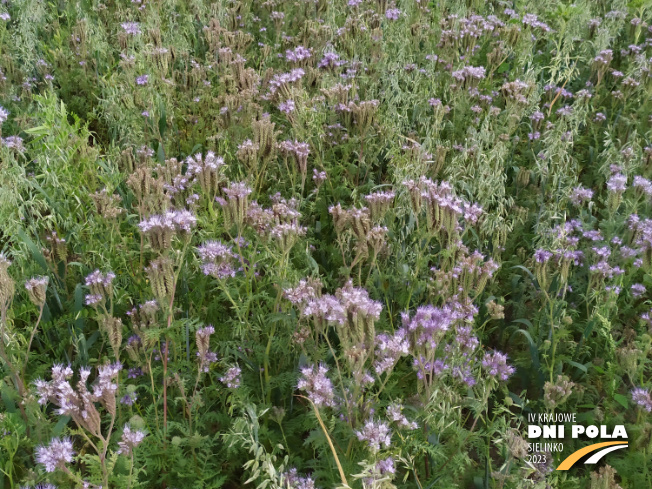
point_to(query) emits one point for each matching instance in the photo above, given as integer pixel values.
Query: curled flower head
(217, 259)
(495, 365)
(641, 397)
(376, 433)
(317, 385)
(232, 377)
(36, 287)
(130, 439)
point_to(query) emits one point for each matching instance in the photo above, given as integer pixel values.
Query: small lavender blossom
(56, 455)
(131, 28)
(389, 349)
(232, 377)
(617, 183)
(135, 372)
(357, 302)
(542, 256)
(317, 385)
(37, 287)
(4, 114)
(395, 415)
(318, 177)
(93, 299)
(297, 54)
(217, 259)
(386, 466)
(392, 13)
(581, 194)
(130, 440)
(472, 212)
(142, 80)
(206, 357)
(644, 184)
(469, 74)
(495, 365)
(642, 398)
(292, 480)
(129, 399)
(287, 106)
(99, 282)
(376, 433)
(330, 60)
(638, 290)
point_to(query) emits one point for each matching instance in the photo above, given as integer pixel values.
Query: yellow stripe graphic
(574, 457)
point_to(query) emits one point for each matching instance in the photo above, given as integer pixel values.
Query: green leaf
(622, 400)
(7, 399)
(503, 68)
(162, 122)
(578, 365)
(34, 250)
(61, 424)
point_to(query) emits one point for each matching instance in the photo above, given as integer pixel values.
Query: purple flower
(129, 399)
(469, 73)
(495, 365)
(142, 80)
(232, 377)
(206, 357)
(386, 466)
(389, 349)
(297, 54)
(617, 183)
(638, 290)
(392, 13)
(644, 184)
(318, 177)
(330, 60)
(56, 455)
(287, 107)
(317, 385)
(131, 28)
(134, 373)
(642, 398)
(376, 433)
(581, 194)
(130, 440)
(292, 480)
(542, 256)
(217, 259)
(99, 280)
(472, 212)
(93, 299)
(428, 324)
(395, 415)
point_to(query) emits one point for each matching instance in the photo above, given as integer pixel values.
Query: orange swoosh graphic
(574, 457)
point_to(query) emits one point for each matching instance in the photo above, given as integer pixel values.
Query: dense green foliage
(334, 219)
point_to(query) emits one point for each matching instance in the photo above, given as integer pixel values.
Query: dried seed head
(161, 277)
(7, 286)
(265, 137)
(107, 205)
(113, 329)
